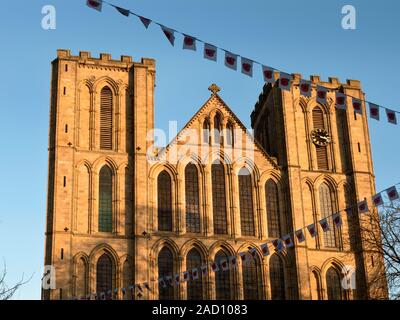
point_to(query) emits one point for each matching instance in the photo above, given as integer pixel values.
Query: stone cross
(214, 88)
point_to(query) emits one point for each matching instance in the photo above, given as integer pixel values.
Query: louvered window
(321, 151)
(106, 119)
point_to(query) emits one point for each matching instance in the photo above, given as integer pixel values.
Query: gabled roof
(215, 99)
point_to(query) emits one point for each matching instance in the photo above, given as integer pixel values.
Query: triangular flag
(253, 252)
(189, 43)
(391, 116)
(95, 4)
(185, 276)
(233, 261)
(231, 60)
(305, 88)
(169, 34)
(287, 239)
(168, 280)
(340, 101)
(210, 52)
(377, 200)
(362, 206)
(357, 106)
(243, 256)
(268, 74)
(247, 67)
(224, 265)
(337, 219)
(204, 269)
(392, 193)
(147, 286)
(123, 11)
(312, 230)
(322, 94)
(278, 244)
(324, 224)
(123, 291)
(146, 22)
(195, 274)
(139, 287)
(265, 249)
(177, 279)
(300, 235)
(374, 111)
(285, 81)
(214, 267)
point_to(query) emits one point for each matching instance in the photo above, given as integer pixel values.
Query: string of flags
(231, 61)
(278, 245)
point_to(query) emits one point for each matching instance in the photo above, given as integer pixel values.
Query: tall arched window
(206, 131)
(246, 203)
(194, 286)
(106, 119)
(223, 288)
(219, 198)
(217, 128)
(321, 151)
(272, 204)
(192, 199)
(277, 278)
(165, 269)
(164, 201)
(251, 279)
(229, 134)
(326, 211)
(104, 274)
(105, 199)
(81, 278)
(333, 285)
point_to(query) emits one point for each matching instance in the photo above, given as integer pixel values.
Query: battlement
(104, 58)
(332, 83)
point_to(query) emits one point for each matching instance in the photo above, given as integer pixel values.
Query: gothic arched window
(165, 269)
(251, 279)
(217, 128)
(206, 131)
(194, 286)
(326, 211)
(164, 194)
(192, 199)
(105, 199)
(104, 274)
(321, 151)
(315, 286)
(272, 204)
(219, 198)
(277, 278)
(229, 134)
(246, 203)
(106, 119)
(333, 285)
(223, 288)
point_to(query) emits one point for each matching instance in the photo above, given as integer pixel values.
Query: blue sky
(295, 36)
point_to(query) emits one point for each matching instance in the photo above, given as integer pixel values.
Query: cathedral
(121, 211)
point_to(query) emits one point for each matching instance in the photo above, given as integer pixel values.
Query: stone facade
(284, 156)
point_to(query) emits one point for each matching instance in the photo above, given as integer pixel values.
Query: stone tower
(101, 111)
(324, 153)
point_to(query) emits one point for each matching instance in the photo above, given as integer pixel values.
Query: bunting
(247, 66)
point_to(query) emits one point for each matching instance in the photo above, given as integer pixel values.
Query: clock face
(320, 137)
